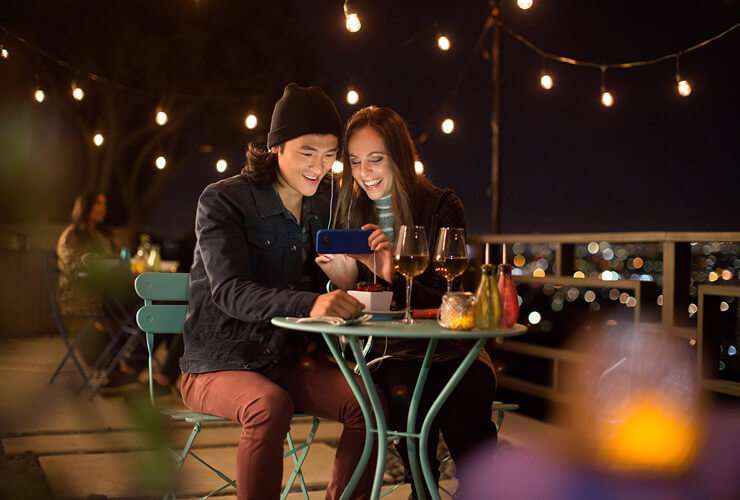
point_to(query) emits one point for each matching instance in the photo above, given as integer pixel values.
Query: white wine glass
(450, 254)
(410, 258)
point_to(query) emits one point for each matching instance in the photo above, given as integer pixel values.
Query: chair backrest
(154, 318)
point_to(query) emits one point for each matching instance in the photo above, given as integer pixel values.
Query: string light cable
(101, 79)
(546, 81)
(623, 65)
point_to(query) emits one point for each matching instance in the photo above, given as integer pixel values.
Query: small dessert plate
(385, 315)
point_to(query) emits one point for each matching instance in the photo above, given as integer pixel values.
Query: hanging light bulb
(607, 99)
(250, 121)
(39, 95)
(337, 167)
(351, 19)
(161, 118)
(160, 162)
(221, 166)
(443, 43)
(352, 23)
(353, 97)
(524, 4)
(448, 125)
(546, 81)
(419, 167)
(4, 52)
(684, 88)
(98, 139)
(77, 93)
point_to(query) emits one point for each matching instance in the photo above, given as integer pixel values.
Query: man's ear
(274, 149)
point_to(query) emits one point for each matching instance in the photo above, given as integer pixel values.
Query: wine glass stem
(409, 284)
(449, 286)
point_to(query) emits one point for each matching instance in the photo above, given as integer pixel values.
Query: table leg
(434, 409)
(366, 413)
(380, 426)
(413, 450)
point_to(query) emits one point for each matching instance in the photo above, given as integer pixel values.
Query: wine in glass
(410, 258)
(450, 254)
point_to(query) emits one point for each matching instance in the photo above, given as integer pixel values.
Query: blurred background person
(81, 301)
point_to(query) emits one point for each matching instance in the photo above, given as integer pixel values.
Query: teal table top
(421, 328)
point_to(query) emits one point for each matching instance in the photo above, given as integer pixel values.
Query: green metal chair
(157, 318)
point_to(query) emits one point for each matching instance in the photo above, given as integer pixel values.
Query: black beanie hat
(301, 111)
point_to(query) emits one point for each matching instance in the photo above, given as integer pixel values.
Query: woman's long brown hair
(354, 208)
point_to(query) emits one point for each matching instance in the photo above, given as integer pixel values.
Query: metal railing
(674, 284)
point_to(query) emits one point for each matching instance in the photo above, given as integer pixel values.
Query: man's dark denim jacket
(252, 262)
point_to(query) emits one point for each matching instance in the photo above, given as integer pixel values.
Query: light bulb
(443, 43)
(77, 93)
(250, 121)
(448, 125)
(98, 139)
(161, 118)
(337, 167)
(353, 97)
(39, 95)
(352, 23)
(524, 4)
(546, 81)
(4, 53)
(160, 162)
(221, 166)
(684, 88)
(419, 167)
(607, 99)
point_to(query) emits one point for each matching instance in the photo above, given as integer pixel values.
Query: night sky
(655, 161)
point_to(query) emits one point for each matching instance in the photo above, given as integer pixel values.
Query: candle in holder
(457, 311)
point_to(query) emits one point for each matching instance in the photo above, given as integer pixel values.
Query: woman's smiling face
(371, 164)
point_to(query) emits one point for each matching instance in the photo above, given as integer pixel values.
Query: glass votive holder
(457, 311)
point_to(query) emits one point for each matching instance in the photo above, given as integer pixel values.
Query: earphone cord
(331, 200)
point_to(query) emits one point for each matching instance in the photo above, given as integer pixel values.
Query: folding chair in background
(70, 344)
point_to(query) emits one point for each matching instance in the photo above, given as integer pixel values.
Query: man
(254, 260)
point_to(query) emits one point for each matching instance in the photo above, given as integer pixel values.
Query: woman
(380, 188)
(80, 300)
(80, 242)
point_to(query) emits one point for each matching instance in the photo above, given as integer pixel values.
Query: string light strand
(622, 65)
(113, 83)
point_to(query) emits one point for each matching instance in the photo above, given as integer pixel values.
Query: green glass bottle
(487, 300)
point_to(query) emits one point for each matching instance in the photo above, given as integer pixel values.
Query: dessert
(373, 296)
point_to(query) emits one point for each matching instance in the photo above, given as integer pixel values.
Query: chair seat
(192, 417)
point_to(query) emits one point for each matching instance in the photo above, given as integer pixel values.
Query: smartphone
(342, 241)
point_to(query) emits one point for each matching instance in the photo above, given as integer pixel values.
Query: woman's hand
(340, 269)
(383, 253)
